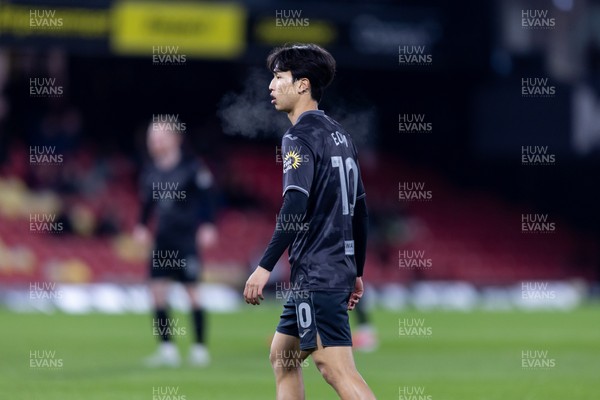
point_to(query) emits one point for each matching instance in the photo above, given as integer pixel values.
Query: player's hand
(253, 292)
(141, 234)
(356, 294)
(207, 236)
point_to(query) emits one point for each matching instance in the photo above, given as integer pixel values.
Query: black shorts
(307, 313)
(179, 263)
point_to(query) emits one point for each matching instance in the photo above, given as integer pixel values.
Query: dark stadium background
(500, 310)
(471, 159)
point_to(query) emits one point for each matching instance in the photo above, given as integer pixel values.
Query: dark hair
(304, 61)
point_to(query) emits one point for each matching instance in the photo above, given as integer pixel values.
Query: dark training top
(320, 161)
(180, 197)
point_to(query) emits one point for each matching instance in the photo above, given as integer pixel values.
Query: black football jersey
(320, 160)
(180, 198)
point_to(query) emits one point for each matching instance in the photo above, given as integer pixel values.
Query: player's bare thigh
(340, 356)
(286, 347)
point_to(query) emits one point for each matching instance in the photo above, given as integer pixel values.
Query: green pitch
(422, 356)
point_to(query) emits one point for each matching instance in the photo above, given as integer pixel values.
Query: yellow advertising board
(36, 20)
(208, 30)
(275, 31)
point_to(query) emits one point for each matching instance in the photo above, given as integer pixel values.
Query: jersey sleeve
(203, 177)
(145, 195)
(360, 189)
(360, 192)
(202, 181)
(298, 164)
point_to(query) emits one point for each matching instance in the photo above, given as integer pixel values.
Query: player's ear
(303, 85)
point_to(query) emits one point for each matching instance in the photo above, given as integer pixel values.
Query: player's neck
(300, 108)
(169, 160)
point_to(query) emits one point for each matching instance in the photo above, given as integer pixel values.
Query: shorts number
(304, 315)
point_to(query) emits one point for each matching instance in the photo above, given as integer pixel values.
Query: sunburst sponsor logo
(293, 159)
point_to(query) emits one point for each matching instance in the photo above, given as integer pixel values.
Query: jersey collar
(316, 112)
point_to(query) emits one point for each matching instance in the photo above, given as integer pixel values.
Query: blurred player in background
(177, 189)
(322, 185)
(365, 337)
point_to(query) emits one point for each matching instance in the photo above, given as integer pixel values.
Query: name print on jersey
(339, 138)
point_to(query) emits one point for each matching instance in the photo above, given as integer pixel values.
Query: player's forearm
(360, 228)
(294, 204)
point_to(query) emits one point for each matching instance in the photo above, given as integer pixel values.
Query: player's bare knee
(331, 374)
(160, 302)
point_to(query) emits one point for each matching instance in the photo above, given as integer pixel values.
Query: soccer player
(365, 338)
(176, 188)
(323, 191)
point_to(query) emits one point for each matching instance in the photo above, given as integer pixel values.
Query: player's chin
(279, 107)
